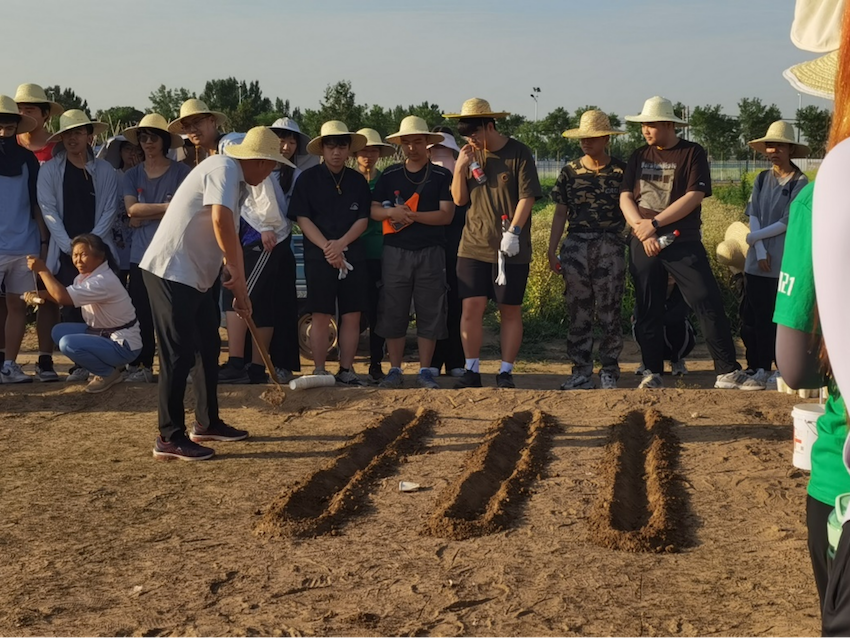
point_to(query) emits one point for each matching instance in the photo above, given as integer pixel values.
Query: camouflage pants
(594, 268)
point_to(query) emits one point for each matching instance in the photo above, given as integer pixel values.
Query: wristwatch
(654, 223)
(516, 230)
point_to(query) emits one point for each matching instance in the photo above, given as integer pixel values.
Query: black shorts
(261, 270)
(327, 294)
(478, 279)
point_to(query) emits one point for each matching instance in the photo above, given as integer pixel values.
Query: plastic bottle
(666, 240)
(399, 201)
(477, 172)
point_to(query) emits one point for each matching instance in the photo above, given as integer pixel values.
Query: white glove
(345, 269)
(510, 244)
(501, 278)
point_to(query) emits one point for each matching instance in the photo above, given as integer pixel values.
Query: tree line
(724, 136)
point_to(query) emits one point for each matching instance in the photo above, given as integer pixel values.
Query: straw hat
(153, 121)
(414, 125)
(111, 150)
(335, 127)
(74, 119)
(593, 124)
(260, 143)
(288, 124)
(815, 77)
(449, 142)
(817, 25)
(373, 138)
(9, 107)
(191, 107)
(34, 94)
(781, 132)
(732, 251)
(657, 109)
(476, 108)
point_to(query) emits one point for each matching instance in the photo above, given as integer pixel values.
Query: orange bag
(390, 227)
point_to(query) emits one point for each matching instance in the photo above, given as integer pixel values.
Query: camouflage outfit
(593, 262)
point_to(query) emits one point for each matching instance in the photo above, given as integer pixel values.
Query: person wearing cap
(366, 161)
(592, 258)
(498, 222)
(767, 210)
(148, 189)
(414, 256)
(179, 269)
(201, 126)
(663, 188)
(78, 194)
(33, 102)
(448, 354)
(331, 204)
(21, 231)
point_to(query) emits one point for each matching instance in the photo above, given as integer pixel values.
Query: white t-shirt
(184, 248)
(105, 303)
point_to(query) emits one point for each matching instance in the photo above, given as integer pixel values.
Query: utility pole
(535, 91)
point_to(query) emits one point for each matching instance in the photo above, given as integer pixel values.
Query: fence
(727, 171)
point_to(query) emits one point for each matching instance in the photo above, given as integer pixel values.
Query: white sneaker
(607, 381)
(139, 375)
(577, 381)
(651, 380)
(679, 368)
(79, 374)
(739, 380)
(640, 371)
(457, 372)
(14, 375)
(284, 376)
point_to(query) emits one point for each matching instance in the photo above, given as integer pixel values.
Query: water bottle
(666, 240)
(399, 201)
(477, 172)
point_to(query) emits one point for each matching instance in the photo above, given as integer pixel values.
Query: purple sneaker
(182, 449)
(219, 432)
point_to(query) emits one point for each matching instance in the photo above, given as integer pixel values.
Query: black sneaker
(228, 374)
(505, 380)
(219, 432)
(182, 449)
(44, 371)
(376, 373)
(257, 374)
(469, 380)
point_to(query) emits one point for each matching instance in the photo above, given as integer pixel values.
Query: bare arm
(522, 211)
(797, 358)
(682, 207)
(354, 232)
(55, 290)
(144, 211)
(629, 207)
(460, 190)
(311, 231)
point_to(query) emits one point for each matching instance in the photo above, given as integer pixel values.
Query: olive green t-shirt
(795, 305)
(511, 176)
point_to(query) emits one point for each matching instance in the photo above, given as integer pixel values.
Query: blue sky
(612, 53)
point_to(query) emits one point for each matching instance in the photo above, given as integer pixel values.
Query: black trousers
(66, 274)
(449, 352)
(757, 328)
(836, 601)
(376, 342)
(284, 350)
(142, 304)
(687, 263)
(186, 322)
(817, 513)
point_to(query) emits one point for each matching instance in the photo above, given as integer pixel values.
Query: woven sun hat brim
(153, 121)
(413, 125)
(732, 251)
(26, 123)
(9, 107)
(257, 145)
(191, 107)
(592, 124)
(476, 108)
(449, 142)
(74, 119)
(288, 124)
(34, 94)
(373, 139)
(652, 117)
(657, 109)
(111, 151)
(815, 77)
(332, 128)
(589, 133)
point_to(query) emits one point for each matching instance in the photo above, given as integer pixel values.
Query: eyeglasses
(333, 144)
(147, 137)
(193, 123)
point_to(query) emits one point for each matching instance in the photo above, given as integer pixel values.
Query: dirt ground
(526, 496)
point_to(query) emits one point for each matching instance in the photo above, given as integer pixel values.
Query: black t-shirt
(659, 177)
(78, 201)
(332, 210)
(436, 189)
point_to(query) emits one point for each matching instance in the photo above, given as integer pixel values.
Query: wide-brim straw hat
(335, 127)
(9, 107)
(34, 94)
(817, 25)
(191, 107)
(373, 139)
(111, 150)
(414, 125)
(732, 251)
(153, 121)
(74, 119)
(449, 142)
(288, 124)
(593, 124)
(783, 133)
(657, 109)
(476, 108)
(260, 143)
(815, 77)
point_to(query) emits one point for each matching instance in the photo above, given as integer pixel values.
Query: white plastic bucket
(805, 433)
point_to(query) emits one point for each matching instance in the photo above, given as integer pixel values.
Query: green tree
(243, 103)
(119, 118)
(716, 131)
(339, 103)
(510, 124)
(167, 102)
(813, 124)
(754, 118)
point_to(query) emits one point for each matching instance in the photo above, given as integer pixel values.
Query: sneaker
(393, 379)
(577, 381)
(99, 384)
(435, 372)
(457, 372)
(320, 371)
(651, 380)
(219, 432)
(257, 374)
(607, 380)
(738, 380)
(641, 371)
(426, 378)
(772, 382)
(469, 380)
(140, 374)
(284, 376)
(77, 374)
(229, 374)
(505, 380)
(349, 378)
(183, 449)
(679, 368)
(376, 373)
(14, 375)
(44, 371)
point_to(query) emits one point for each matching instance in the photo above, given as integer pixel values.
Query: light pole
(535, 91)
